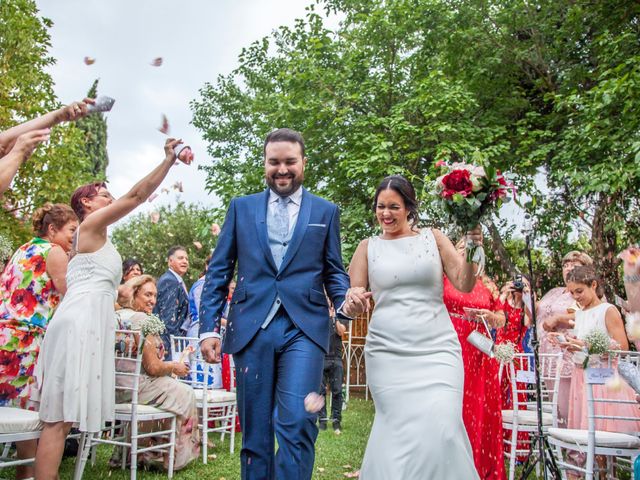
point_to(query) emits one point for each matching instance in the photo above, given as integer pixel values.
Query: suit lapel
(300, 228)
(261, 226)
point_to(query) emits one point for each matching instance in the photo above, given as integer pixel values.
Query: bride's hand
(475, 235)
(356, 301)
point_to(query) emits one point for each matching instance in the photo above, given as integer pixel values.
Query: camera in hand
(518, 284)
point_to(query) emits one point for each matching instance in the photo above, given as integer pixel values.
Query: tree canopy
(544, 91)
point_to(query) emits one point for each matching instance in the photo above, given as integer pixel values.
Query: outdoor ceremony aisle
(335, 454)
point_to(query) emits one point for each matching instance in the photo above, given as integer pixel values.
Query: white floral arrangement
(6, 248)
(152, 325)
(504, 352)
(597, 342)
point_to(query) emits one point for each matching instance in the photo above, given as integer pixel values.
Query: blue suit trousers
(275, 372)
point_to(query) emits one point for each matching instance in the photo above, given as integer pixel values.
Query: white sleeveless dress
(414, 368)
(76, 369)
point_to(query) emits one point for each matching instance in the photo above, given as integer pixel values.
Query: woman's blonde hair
(577, 256)
(136, 283)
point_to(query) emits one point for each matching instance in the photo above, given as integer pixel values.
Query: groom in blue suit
(285, 244)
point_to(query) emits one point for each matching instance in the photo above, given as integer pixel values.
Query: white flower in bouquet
(152, 325)
(6, 249)
(597, 342)
(504, 352)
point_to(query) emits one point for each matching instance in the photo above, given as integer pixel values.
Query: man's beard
(285, 191)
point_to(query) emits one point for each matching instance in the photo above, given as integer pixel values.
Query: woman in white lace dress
(75, 370)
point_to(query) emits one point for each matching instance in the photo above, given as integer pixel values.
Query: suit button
(284, 244)
(278, 277)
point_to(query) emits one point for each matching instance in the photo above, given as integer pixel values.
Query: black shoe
(322, 425)
(336, 426)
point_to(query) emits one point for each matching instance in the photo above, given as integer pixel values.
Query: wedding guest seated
(18, 143)
(31, 286)
(131, 268)
(555, 312)
(158, 387)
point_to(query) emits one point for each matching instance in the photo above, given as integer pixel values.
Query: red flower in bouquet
(458, 181)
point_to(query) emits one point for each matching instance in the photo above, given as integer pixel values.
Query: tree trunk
(605, 245)
(499, 249)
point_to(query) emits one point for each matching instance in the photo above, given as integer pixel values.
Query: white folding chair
(595, 442)
(523, 416)
(214, 404)
(129, 346)
(17, 425)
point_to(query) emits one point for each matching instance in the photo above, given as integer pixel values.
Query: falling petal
(156, 62)
(215, 229)
(89, 60)
(152, 197)
(614, 384)
(355, 474)
(165, 190)
(178, 186)
(155, 217)
(197, 244)
(164, 128)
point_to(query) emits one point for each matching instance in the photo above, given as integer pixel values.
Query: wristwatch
(634, 278)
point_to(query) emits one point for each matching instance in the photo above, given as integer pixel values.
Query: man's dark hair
(174, 249)
(284, 135)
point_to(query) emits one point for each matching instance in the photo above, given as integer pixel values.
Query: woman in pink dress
(482, 402)
(552, 315)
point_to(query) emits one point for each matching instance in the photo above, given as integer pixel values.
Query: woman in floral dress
(31, 286)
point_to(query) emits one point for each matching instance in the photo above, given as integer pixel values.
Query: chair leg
(6, 449)
(125, 452)
(134, 450)
(512, 451)
(205, 434)
(172, 448)
(225, 423)
(83, 453)
(234, 411)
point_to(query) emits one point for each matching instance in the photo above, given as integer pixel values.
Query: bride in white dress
(412, 354)
(76, 370)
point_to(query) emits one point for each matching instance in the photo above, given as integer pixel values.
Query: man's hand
(210, 348)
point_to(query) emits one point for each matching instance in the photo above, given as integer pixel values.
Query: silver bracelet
(634, 278)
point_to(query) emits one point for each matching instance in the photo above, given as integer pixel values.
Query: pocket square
(322, 225)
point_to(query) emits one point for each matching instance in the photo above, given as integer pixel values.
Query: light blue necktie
(281, 218)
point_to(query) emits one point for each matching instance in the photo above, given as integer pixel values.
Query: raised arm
(94, 226)
(69, 113)
(615, 327)
(461, 273)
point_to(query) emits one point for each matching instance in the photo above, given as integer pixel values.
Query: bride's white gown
(414, 368)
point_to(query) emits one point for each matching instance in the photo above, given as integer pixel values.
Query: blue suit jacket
(172, 305)
(313, 263)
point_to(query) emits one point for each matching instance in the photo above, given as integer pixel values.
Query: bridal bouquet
(468, 193)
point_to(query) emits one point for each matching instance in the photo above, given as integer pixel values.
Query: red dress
(482, 402)
(513, 331)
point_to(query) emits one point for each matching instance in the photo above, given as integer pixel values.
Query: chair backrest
(522, 374)
(128, 364)
(187, 350)
(608, 401)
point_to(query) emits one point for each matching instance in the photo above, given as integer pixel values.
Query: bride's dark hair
(402, 187)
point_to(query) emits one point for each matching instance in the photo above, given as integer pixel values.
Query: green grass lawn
(335, 454)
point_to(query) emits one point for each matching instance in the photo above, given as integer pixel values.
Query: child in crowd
(585, 288)
(332, 375)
